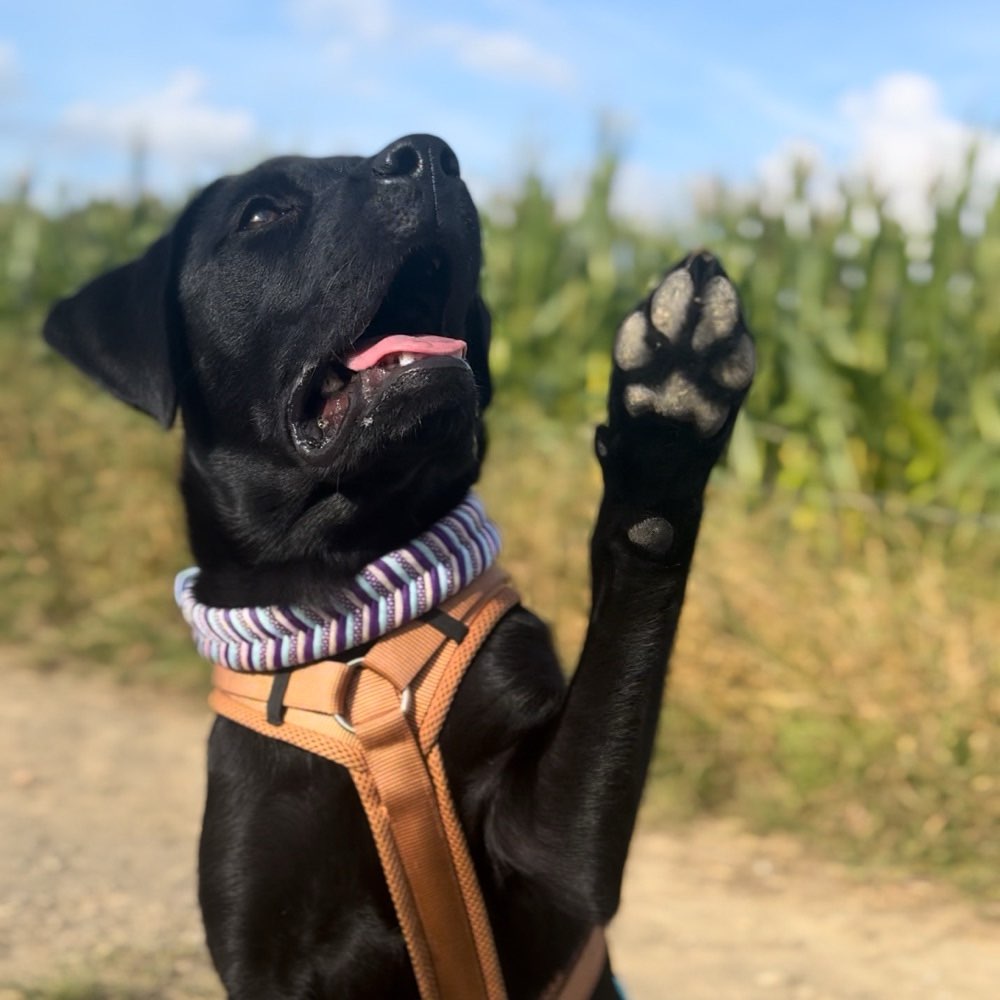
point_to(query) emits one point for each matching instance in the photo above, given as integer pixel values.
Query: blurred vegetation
(124, 974)
(879, 352)
(838, 669)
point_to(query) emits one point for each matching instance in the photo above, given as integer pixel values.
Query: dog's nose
(416, 156)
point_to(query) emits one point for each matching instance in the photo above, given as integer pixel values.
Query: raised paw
(685, 353)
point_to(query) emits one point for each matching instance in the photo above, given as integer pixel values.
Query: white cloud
(647, 195)
(360, 27)
(175, 122)
(901, 143)
(9, 70)
(368, 19)
(500, 53)
(907, 145)
(797, 171)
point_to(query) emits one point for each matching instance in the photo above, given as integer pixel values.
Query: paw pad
(720, 310)
(735, 370)
(668, 307)
(631, 348)
(654, 534)
(686, 354)
(679, 399)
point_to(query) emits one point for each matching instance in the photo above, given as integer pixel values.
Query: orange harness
(382, 723)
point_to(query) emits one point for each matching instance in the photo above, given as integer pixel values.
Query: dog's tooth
(406, 359)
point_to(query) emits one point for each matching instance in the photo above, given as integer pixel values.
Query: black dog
(238, 317)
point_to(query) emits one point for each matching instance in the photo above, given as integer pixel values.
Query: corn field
(838, 669)
(879, 353)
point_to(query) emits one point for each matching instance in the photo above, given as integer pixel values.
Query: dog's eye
(261, 212)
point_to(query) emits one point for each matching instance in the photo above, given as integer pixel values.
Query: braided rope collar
(386, 594)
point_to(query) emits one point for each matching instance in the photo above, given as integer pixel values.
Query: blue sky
(694, 89)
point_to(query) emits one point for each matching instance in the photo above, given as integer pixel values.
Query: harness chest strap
(399, 704)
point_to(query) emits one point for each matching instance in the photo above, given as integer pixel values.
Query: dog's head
(318, 324)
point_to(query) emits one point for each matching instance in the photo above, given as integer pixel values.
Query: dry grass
(824, 680)
(90, 523)
(837, 676)
(170, 974)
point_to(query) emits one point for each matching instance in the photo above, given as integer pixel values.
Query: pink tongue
(399, 343)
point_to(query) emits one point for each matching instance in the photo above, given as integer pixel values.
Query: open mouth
(405, 333)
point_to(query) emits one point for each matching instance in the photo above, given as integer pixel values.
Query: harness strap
(425, 853)
(382, 722)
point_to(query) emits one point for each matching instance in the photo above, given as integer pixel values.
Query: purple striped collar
(387, 593)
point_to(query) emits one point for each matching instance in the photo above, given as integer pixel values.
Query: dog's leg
(683, 363)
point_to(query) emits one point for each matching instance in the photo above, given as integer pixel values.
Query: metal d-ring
(405, 698)
(358, 661)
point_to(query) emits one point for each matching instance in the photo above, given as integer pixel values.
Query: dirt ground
(100, 793)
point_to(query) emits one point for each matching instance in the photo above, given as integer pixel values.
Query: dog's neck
(287, 539)
(389, 592)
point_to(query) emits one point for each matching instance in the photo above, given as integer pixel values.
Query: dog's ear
(118, 330)
(477, 336)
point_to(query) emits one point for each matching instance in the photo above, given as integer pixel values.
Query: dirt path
(100, 791)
